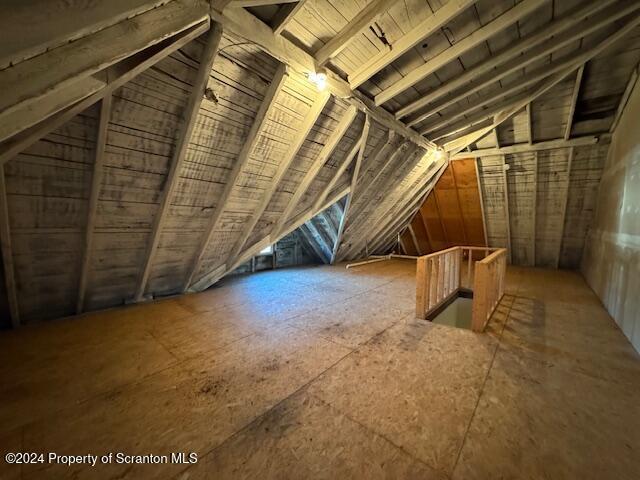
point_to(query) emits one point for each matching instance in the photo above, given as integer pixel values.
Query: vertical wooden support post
(422, 287)
(7, 254)
(96, 182)
(564, 205)
(469, 260)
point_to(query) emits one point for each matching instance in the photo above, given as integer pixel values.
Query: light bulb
(318, 79)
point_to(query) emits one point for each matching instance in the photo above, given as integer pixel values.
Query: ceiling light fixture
(318, 79)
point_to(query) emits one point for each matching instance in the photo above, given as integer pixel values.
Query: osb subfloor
(322, 372)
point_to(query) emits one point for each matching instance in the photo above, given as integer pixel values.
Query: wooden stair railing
(441, 275)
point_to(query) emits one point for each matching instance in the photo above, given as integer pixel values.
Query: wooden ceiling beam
(538, 44)
(574, 101)
(256, 3)
(458, 145)
(505, 20)
(94, 195)
(354, 182)
(300, 136)
(401, 191)
(362, 20)
(525, 147)
(625, 98)
(185, 131)
(404, 152)
(284, 15)
(118, 75)
(407, 210)
(424, 29)
(337, 174)
(245, 25)
(42, 81)
(243, 159)
(325, 153)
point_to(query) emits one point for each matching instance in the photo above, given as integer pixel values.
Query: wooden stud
(316, 166)
(243, 158)
(484, 218)
(185, 132)
(506, 207)
(414, 239)
(510, 17)
(94, 194)
(574, 101)
(7, 254)
(529, 123)
(625, 98)
(564, 205)
(354, 182)
(535, 209)
(301, 134)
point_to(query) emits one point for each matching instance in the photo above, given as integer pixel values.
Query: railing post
(433, 282)
(479, 308)
(422, 287)
(470, 253)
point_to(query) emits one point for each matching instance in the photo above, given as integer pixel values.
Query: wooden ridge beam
(574, 101)
(538, 44)
(38, 83)
(185, 131)
(325, 153)
(248, 27)
(118, 75)
(94, 194)
(362, 20)
(243, 158)
(354, 183)
(7, 254)
(303, 132)
(505, 20)
(525, 148)
(424, 29)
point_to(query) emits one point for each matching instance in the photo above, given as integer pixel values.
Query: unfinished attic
(351, 239)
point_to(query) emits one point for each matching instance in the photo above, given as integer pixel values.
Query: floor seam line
(381, 435)
(268, 411)
(484, 382)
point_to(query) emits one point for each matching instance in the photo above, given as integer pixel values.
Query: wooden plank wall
(451, 214)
